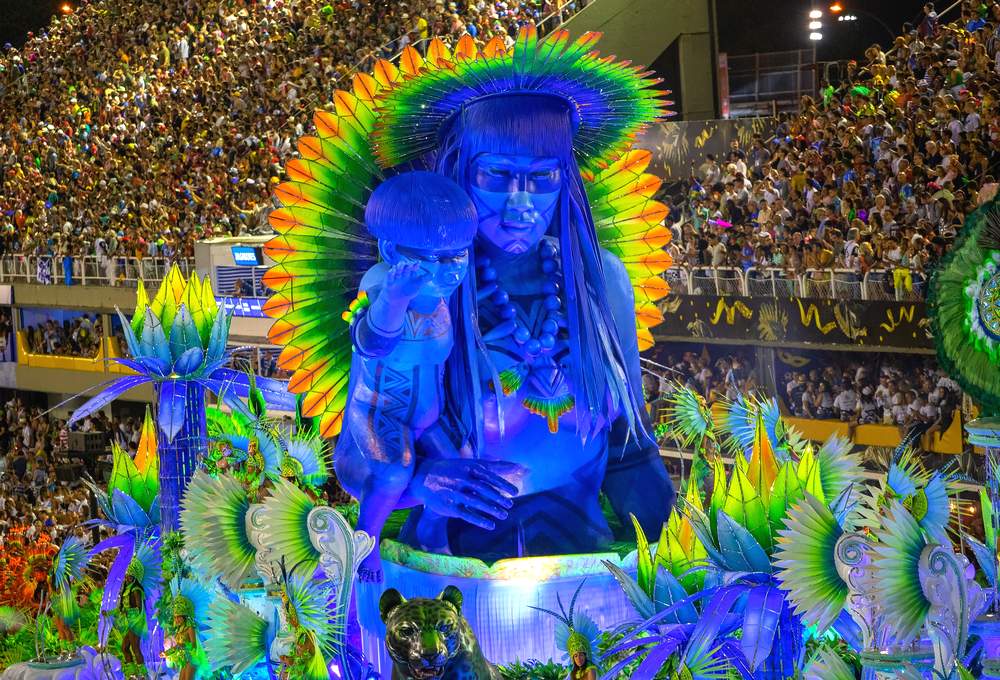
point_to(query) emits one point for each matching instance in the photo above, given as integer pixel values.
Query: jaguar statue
(429, 639)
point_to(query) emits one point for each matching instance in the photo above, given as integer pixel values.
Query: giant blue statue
(492, 387)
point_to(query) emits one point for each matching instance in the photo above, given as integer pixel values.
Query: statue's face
(516, 197)
(445, 269)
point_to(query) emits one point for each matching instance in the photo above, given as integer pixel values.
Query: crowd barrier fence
(773, 282)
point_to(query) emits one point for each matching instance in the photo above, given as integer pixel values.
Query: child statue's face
(516, 198)
(444, 269)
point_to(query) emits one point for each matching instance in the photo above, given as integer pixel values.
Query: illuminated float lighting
(815, 36)
(815, 25)
(816, 14)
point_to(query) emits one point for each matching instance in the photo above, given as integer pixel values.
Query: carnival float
(467, 267)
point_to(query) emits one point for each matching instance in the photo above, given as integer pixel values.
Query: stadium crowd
(713, 373)
(35, 497)
(132, 129)
(891, 392)
(77, 337)
(876, 173)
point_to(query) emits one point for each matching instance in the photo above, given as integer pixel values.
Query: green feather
(238, 638)
(806, 565)
(214, 522)
(896, 560)
(284, 527)
(827, 665)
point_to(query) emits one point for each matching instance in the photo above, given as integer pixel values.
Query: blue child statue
(424, 223)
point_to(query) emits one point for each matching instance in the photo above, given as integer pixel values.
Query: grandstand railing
(90, 270)
(773, 282)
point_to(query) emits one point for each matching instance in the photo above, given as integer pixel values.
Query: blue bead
(552, 303)
(548, 266)
(521, 334)
(488, 274)
(508, 311)
(547, 249)
(500, 297)
(547, 340)
(533, 347)
(550, 327)
(550, 287)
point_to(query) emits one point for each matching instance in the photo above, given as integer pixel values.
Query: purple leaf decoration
(275, 391)
(731, 653)
(668, 591)
(130, 340)
(189, 361)
(108, 395)
(183, 334)
(228, 396)
(127, 511)
(145, 365)
(153, 342)
(114, 581)
(760, 620)
(712, 618)
(170, 410)
(656, 658)
(739, 547)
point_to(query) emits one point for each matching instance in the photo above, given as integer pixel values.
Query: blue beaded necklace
(547, 393)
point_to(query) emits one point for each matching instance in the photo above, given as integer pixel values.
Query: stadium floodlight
(836, 8)
(816, 14)
(66, 8)
(815, 36)
(815, 25)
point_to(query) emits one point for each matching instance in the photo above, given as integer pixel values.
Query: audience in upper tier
(878, 172)
(131, 129)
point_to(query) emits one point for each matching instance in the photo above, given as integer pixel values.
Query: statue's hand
(477, 491)
(404, 280)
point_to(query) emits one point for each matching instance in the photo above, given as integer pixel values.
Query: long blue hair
(540, 125)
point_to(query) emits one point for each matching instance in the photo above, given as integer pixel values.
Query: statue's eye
(543, 174)
(407, 630)
(495, 171)
(444, 628)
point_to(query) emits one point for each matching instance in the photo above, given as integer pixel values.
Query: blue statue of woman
(542, 384)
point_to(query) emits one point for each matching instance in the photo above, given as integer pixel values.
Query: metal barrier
(90, 270)
(771, 282)
(717, 281)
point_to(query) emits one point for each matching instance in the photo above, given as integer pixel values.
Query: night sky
(770, 25)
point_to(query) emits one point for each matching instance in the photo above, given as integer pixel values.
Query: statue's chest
(427, 337)
(533, 370)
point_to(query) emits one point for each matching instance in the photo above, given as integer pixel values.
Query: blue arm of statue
(636, 481)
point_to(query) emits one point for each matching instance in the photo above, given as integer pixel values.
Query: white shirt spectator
(846, 401)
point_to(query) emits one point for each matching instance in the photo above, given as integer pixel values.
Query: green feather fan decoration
(964, 305)
(896, 560)
(284, 527)
(238, 638)
(214, 521)
(806, 565)
(827, 665)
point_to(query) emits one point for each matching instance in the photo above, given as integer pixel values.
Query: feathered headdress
(610, 101)
(397, 114)
(575, 631)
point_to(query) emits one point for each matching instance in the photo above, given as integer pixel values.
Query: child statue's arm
(378, 331)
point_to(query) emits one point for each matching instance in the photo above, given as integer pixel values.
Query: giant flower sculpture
(177, 341)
